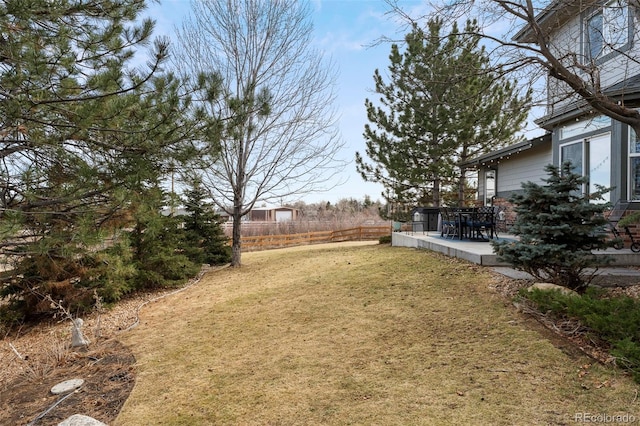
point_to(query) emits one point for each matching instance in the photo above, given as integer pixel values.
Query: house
(584, 34)
(266, 214)
(501, 172)
(274, 214)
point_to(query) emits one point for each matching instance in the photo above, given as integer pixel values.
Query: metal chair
(482, 219)
(449, 226)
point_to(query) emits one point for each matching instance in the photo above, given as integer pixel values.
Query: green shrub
(558, 227)
(385, 239)
(204, 240)
(613, 320)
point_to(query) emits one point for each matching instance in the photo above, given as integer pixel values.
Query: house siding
(569, 43)
(524, 167)
(619, 134)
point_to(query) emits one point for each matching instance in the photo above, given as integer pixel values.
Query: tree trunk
(236, 243)
(436, 193)
(461, 187)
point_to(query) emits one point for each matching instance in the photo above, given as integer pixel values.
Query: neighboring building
(264, 214)
(276, 214)
(584, 33)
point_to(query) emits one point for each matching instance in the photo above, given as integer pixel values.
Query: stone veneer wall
(509, 214)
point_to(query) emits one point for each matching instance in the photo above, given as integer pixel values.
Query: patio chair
(482, 219)
(449, 225)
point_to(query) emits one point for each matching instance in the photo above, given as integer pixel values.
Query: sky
(346, 31)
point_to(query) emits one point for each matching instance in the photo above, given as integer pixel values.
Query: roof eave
(554, 16)
(508, 151)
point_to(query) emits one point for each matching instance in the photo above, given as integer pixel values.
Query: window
(634, 166)
(489, 187)
(585, 126)
(592, 158)
(573, 152)
(600, 164)
(595, 36)
(607, 30)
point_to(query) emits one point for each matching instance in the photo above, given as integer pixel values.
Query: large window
(592, 158)
(600, 164)
(634, 166)
(607, 30)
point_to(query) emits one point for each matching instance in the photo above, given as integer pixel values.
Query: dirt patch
(108, 373)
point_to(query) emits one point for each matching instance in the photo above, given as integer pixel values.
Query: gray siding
(524, 167)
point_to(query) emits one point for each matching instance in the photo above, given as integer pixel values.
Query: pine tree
(488, 109)
(205, 241)
(157, 243)
(441, 106)
(84, 131)
(558, 228)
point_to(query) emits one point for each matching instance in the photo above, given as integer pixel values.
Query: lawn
(357, 334)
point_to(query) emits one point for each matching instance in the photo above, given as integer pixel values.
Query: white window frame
(489, 195)
(614, 34)
(583, 160)
(633, 142)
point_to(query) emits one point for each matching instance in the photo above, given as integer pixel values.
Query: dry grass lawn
(357, 334)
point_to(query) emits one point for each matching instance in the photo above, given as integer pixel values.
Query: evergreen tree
(205, 241)
(487, 108)
(157, 244)
(83, 132)
(441, 106)
(558, 228)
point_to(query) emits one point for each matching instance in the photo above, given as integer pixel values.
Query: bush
(558, 228)
(204, 240)
(613, 320)
(385, 239)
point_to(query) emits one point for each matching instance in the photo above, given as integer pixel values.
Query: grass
(356, 334)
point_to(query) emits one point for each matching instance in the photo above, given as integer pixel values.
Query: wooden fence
(264, 242)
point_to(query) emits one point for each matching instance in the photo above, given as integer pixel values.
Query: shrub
(558, 228)
(385, 239)
(156, 241)
(204, 240)
(613, 320)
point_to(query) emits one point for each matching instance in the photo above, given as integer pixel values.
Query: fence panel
(264, 242)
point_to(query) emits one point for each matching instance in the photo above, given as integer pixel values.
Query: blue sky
(346, 30)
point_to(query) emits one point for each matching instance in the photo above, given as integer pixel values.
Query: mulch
(108, 373)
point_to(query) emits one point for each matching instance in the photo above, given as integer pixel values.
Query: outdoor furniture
(471, 222)
(449, 223)
(499, 220)
(482, 219)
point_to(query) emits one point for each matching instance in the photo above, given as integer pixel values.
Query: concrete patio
(481, 252)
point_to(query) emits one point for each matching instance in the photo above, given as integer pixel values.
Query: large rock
(81, 420)
(552, 287)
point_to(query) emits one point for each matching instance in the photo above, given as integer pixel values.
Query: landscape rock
(77, 338)
(80, 420)
(549, 287)
(67, 386)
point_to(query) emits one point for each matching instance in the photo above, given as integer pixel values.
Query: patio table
(471, 222)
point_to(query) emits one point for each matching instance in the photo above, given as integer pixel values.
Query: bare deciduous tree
(519, 34)
(278, 134)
